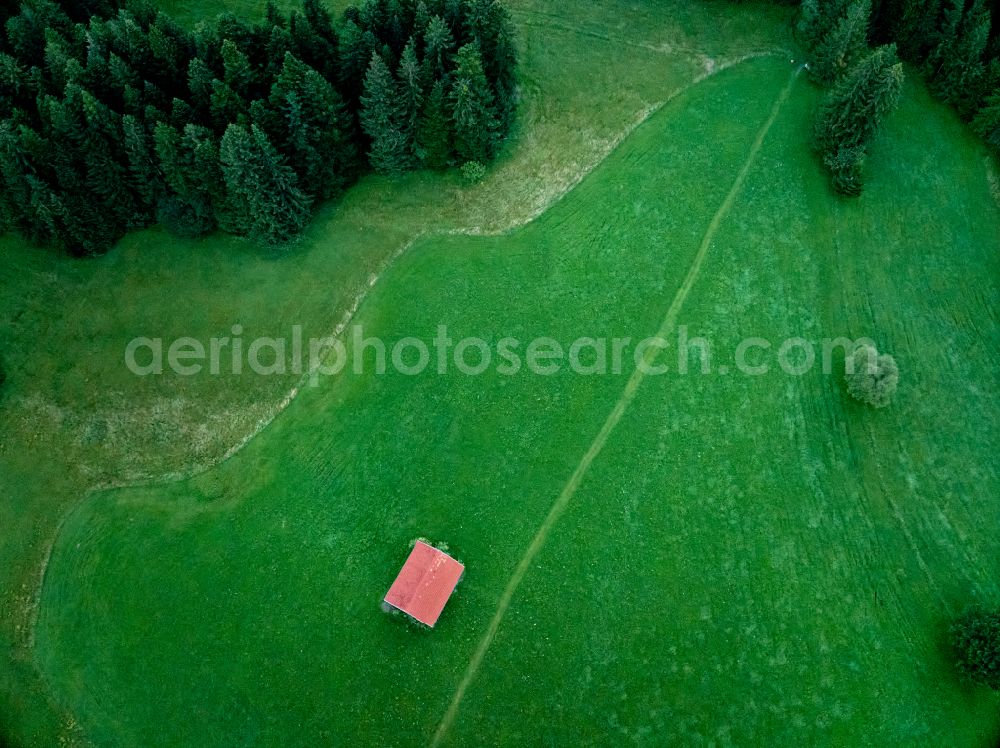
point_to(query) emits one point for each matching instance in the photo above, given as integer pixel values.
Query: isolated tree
(381, 118)
(473, 113)
(976, 639)
(871, 378)
(856, 108)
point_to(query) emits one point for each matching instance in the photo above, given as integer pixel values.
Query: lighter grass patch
(993, 178)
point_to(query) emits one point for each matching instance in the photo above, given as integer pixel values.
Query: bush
(473, 172)
(847, 170)
(976, 638)
(871, 378)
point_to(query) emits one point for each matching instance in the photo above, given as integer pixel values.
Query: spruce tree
(15, 191)
(200, 80)
(106, 122)
(957, 64)
(853, 112)
(913, 24)
(107, 177)
(239, 73)
(439, 46)
(273, 16)
(421, 19)
(411, 94)
(320, 20)
(434, 136)
(492, 29)
(381, 118)
(146, 180)
(167, 50)
(226, 105)
(263, 190)
(987, 121)
(473, 114)
(817, 19)
(314, 128)
(844, 45)
(356, 49)
(186, 210)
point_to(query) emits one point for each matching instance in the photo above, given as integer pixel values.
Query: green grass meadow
(750, 560)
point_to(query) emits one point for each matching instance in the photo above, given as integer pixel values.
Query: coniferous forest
(954, 44)
(115, 117)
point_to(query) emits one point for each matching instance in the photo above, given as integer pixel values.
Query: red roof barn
(425, 583)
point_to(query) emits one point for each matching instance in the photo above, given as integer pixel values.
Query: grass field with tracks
(680, 559)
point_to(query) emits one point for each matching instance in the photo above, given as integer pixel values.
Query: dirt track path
(613, 419)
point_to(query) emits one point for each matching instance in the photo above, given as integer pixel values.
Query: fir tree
(957, 64)
(844, 45)
(476, 127)
(320, 20)
(15, 190)
(411, 94)
(987, 121)
(439, 44)
(434, 137)
(200, 83)
(315, 129)
(855, 109)
(381, 119)
(239, 73)
(146, 180)
(226, 105)
(187, 210)
(107, 178)
(262, 189)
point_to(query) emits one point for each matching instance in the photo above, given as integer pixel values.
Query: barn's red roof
(425, 583)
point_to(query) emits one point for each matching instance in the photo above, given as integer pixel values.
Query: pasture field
(744, 559)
